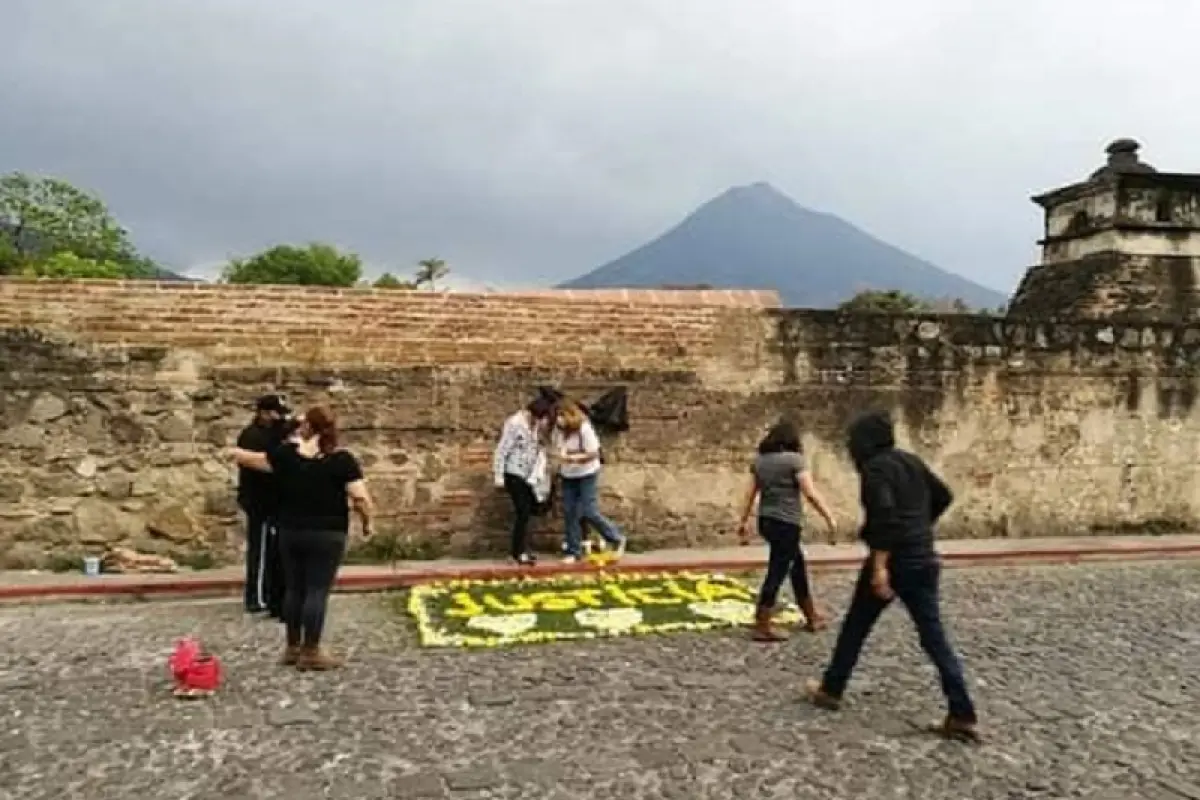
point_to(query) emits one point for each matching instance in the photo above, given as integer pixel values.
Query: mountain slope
(756, 237)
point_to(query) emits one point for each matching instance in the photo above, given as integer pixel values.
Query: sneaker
(601, 546)
(569, 559)
(526, 560)
(621, 547)
(314, 659)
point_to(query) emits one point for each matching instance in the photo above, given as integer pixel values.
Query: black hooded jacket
(901, 497)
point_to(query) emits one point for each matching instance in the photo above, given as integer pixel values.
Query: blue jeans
(917, 586)
(581, 503)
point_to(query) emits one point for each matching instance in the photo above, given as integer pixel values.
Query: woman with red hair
(319, 482)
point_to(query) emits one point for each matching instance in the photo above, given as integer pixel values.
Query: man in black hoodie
(901, 499)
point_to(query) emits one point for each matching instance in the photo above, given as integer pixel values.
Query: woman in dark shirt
(318, 484)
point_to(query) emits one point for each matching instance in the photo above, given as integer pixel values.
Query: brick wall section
(116, 401)
(329, 327)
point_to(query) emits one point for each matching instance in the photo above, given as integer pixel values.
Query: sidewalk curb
(385, 581)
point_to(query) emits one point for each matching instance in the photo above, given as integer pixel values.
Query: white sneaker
(569, 559)
(621, 546)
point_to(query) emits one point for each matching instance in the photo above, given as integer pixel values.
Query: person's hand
(881, 584)
(498, 483)
(744, 533)
(367, 530)
(831, 528)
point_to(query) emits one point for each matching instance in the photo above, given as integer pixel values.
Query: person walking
(319, 482)
(516, 464)
(779, 479)
(258, 497)
(902, 500)
(578, 452)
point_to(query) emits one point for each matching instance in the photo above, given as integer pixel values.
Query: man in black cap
(258, 498)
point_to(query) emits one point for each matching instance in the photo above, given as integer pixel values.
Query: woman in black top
(318, 484)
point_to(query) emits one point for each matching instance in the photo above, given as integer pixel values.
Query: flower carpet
(583, 606)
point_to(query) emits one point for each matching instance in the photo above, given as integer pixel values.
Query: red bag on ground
(196, 673)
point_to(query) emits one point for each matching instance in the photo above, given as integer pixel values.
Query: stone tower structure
(1124, 243)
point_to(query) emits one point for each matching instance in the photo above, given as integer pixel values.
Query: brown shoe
(817, 695)
(313, 659)
(763, 631)
(957, 729)
(814, 621)
(291, 654)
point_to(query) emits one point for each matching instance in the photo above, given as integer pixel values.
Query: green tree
(429, 272)
(892, 301)
(316, 264)
(69, 265)
(40, 216)
(389, 281)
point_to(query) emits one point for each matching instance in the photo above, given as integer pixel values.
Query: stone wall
(118, 399)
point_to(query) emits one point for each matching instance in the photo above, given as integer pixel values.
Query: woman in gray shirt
(779, 478)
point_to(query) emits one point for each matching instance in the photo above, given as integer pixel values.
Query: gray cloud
(527, 141)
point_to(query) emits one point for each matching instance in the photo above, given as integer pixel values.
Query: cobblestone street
(1086, 679)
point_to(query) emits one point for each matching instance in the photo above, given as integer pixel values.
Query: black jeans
(263, 588)
(918, 587)
(310, 559)
(524, 502)
(785, 558)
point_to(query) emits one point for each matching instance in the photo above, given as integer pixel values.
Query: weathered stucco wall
(117, 400)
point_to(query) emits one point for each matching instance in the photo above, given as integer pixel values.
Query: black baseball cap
(272, 402)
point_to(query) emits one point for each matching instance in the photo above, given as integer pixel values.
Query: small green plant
(198, 560)
(62, 562)
(387, 548)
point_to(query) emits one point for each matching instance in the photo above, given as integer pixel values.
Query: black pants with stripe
(264, 588)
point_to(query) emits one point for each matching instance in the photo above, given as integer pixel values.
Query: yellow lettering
(617, 593)
(683, 594)
(589, 597)
(464, 606)
(553, 601)
(710, 591)
(517, 604)
(651, 596)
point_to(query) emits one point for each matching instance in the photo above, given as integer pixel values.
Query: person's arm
(252, 459)
(809, 489)
(940, 496)
(747, 509)
(508, 436)
(360, 498)
(879, 504)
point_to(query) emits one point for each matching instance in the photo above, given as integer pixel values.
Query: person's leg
(779, 561)
(814, 620)
(523, 500)
(320, 572)
(572, 518)
(273, 578)
(589, 501)
(918, 588)
(253, 597)
(291, 548)
(865, 608)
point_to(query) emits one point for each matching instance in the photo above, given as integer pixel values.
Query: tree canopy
(316, 264)
(51, 228)
(892, 301)
(389, 281)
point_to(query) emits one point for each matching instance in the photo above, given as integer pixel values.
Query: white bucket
(91, 566)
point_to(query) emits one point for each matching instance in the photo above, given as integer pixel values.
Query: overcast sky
(528, 141)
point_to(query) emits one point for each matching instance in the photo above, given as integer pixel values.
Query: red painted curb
(402, 580)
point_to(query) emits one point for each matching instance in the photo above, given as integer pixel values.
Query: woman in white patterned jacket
(518, 458)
